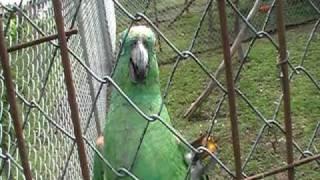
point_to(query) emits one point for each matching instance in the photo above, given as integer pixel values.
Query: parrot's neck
(141, 94)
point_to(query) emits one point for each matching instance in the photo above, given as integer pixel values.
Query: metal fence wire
(169, 16)
(39, 73)
(39, 82)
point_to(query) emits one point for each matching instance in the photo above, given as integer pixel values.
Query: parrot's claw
(100, 142)
(198, 168)
(201, 163)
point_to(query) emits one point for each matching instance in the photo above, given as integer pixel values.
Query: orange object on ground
(208, 142)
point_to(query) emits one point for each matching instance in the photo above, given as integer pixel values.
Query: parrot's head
(138, 55)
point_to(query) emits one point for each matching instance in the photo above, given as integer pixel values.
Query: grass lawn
(259, 82)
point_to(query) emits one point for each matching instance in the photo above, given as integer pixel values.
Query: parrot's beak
(139, 62)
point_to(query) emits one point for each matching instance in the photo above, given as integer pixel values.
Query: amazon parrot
(160, 156)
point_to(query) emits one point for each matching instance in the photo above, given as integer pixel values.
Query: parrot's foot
(199, 168)
(202, 162)
(100, 142)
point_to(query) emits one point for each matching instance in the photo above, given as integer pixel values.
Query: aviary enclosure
(226, 68)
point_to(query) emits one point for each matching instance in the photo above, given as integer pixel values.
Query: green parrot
(160, 156)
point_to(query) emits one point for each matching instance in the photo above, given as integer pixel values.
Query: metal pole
(57, 6)
(284, 168)
(230, 87)
(40, 40)
(14, 111)
(283, 62)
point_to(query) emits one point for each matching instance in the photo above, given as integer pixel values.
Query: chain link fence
(39, 81)
(41, 90)
(169, 16)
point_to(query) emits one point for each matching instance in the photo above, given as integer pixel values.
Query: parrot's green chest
(158, 156)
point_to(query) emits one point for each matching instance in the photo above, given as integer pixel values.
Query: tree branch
(235, 46)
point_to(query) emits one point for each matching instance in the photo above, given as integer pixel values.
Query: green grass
(181, 32)
(259, 81)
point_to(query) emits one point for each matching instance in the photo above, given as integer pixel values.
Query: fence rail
(54, 130)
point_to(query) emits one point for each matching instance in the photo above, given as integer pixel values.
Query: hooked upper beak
(139, 62)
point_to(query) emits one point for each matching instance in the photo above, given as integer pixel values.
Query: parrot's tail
(98, 170)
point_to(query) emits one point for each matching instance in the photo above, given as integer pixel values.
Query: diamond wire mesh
(39, 80)
(260, 115)
(46, 157)
(170, 15)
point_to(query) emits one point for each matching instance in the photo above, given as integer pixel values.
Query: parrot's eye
(145, 43)
(134, 43)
